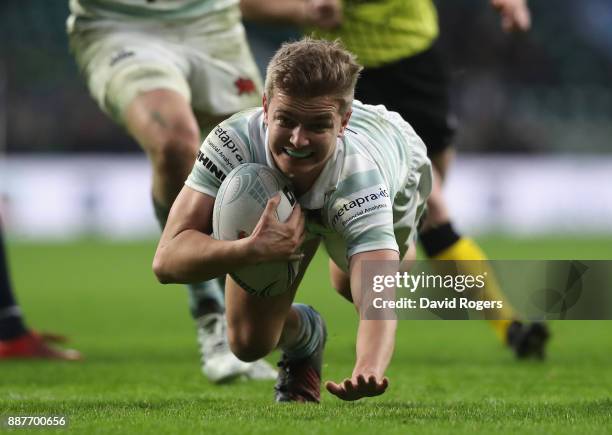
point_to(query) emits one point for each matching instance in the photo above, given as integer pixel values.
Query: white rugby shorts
(207, 60)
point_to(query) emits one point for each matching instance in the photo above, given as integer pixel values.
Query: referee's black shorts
(416, 87)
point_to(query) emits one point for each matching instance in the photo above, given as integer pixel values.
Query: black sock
(11, 322)
(437, 239)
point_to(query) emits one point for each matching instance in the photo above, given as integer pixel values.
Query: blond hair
(313, 68)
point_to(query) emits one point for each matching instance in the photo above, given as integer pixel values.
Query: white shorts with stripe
(205, 59)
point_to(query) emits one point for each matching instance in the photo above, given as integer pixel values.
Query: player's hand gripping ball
(240, 202)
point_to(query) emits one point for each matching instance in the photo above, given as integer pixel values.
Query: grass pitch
(141, 372)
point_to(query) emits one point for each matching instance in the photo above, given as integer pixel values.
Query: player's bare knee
(175, 150)
(248, 341)
(247, 352)
(163, 123)
(247, 346)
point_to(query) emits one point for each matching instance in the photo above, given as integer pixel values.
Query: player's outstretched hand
(514, 14)
(358, 387)
(272, 240)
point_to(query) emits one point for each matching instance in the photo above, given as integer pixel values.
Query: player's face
(302, 134)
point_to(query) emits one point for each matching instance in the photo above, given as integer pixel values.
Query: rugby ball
(240, 202)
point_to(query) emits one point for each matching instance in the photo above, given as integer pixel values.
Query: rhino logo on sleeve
(221, 152)
(212, 168)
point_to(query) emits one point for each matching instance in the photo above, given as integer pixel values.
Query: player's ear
(264, 104)
(344, 122)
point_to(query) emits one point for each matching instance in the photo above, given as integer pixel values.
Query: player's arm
(375, 338)
(325, 14)
(187, 253)
(514, 14)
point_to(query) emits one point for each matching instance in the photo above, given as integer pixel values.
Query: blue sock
(309, 335)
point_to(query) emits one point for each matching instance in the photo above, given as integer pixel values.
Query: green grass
(141, 372)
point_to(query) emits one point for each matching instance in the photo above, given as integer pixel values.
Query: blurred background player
(168, 71)
(396, 42)
(16, 339)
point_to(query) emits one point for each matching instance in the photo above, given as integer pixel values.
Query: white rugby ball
(240, 202)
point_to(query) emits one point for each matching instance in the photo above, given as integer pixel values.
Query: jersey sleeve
(361, 212)
(222, 150)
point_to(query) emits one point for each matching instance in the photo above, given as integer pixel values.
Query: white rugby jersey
(375, 184)
(159, 9)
